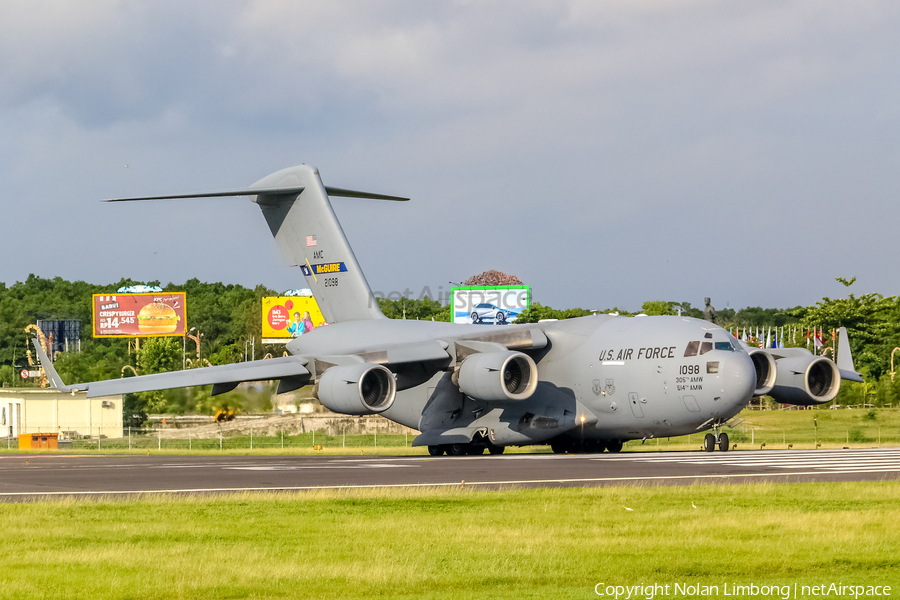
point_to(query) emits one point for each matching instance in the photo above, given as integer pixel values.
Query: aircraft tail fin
(295, 203)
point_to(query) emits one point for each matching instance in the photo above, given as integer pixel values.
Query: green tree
(873, 327)
(658, 307)
(159, 355)
(538, 312)
(7, 376)
(425, 309)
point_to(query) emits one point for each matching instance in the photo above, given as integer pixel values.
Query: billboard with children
(290, 316)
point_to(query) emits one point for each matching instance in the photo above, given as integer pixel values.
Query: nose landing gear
(723, 442)
(716, 439)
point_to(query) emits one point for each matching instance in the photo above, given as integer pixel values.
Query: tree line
(229, 316)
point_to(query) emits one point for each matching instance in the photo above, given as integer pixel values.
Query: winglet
(55, 381)
(845, 359)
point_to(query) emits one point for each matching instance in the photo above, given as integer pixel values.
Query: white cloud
(591, 126)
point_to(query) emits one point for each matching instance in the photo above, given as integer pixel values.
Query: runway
(29, 477)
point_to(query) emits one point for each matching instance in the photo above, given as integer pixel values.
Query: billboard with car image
(489, 304)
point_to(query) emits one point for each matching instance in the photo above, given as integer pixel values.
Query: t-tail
(296, 206)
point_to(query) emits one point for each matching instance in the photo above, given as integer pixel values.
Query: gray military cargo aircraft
(580, 385)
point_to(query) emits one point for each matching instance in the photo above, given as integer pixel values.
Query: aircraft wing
(223, 378)
(404, 359)
(522, 337)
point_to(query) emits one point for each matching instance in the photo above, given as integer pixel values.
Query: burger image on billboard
(157, 318)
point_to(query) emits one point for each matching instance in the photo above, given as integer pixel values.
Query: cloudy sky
(607, 153)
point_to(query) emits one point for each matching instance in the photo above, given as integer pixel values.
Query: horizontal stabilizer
(271, 191)
(219, 194)
(333, 191)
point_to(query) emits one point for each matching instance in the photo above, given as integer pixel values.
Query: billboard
(139, 315)
(65, 335)
(490, 304)
(290, 316)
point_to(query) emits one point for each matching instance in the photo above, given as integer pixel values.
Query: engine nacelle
(805, 380)
(765, 371)
(359, 389)
(498, 376)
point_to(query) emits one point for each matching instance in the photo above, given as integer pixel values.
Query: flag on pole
(818, 340)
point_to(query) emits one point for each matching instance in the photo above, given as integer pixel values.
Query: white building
(24, 410)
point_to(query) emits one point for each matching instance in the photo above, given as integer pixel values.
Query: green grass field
(428, 543)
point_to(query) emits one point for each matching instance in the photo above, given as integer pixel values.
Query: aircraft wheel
(475, 450)
(709, 442)
(436, 450)
(496, 449)
(560, 447)
(458, 449)
(723, 442)
(614, 446)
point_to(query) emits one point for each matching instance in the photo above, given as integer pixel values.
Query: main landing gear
(718, 439)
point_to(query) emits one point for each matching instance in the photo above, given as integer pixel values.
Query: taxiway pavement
(24, 477)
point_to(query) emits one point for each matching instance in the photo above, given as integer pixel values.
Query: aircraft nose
(738, 377)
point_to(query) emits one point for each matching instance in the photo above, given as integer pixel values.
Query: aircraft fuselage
(601, 377)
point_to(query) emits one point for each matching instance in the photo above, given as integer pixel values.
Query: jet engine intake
(359, 389)
(765, 371)
(805, 380)
(498, 376)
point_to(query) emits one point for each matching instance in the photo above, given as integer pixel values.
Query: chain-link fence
(184, 439)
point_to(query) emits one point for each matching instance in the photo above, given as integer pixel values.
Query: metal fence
(333, 434)
(185, 439)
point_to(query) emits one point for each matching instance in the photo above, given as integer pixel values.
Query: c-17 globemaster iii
(579, 385)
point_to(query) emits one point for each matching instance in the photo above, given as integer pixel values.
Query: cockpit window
(724, 346)
(706, 347)
(691, 349)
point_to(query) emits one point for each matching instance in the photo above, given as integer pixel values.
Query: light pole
(892, 362)
(184, 348)
(196, 339)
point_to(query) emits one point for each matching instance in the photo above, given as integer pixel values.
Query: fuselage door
(635, 404)
(691, 403)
